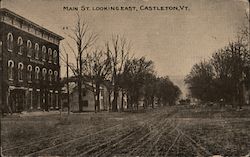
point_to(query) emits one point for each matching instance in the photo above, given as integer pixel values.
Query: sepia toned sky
(174, 40)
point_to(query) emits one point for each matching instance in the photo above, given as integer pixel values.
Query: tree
(166, 91)
(226, 74)
(230, 65)
(118, 50)
(134, 78)
(150, 89)
(223, 77)
(97, 68)
(83, 38)
(243, 33)
(200, 81)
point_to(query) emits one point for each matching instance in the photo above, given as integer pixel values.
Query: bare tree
(244, 30)
(97, 68)
(83, 39)
(118, 50)
(133, 79)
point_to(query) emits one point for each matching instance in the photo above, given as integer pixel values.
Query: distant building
(248, 97)
(246, 93)
(88, 97)
(246, 85)
(30, 67)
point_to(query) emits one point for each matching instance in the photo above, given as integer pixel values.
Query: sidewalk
(33, 113)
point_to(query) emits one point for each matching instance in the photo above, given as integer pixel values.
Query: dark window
(44, 53)
(20, 72)
(10, 42)
(20, 45)
(36, 51)
(55, 57)
(85, 103)
(29, 73)
(10, 69)
(84, 92)
(55, 75)
(50, 75)
(37, 71)
(1, 49)
(44, 72)
(50, 55)
(29, 48)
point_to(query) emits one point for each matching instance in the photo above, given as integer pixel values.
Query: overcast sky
(174, 40)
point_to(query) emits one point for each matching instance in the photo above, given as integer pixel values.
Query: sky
(174, 40)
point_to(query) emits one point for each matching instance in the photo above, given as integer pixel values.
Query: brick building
(30, 67)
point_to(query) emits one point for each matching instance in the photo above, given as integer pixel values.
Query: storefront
(29, 99)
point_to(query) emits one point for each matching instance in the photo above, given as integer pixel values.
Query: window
(10, 42)
(44, 53)
(29, 73)
(37, 72)
(56, 99)
(36, 51)
(50, 55)
(20, 45)
(20, 72)
(44, 73)
(50, 75)
(38, 98)
(56, 75)
(29, 48)
(1, 49)
(30, 98)
(84, 92)
(50, 99)
(55, 57)
(85, 103)
(10, 70)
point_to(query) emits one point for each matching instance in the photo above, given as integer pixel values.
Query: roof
(5, 10)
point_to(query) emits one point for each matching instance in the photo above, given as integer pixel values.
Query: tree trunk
(128, 101)
(109, 99)
(122, 103)
(98, 97)
(80, 81)
(137, 105)
(152, 102)
(114, 103)
(80, 94)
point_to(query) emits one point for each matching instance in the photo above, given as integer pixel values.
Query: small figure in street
(222, 103)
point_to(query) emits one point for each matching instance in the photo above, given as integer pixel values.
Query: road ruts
(58, 148)
(104, 147)
(120, 145)
(49, 142)
(117, 148)
(148, 145)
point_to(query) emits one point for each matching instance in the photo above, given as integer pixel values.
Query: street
(167, 131)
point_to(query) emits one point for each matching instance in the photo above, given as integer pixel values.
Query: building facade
(88, 98)
(30, 67)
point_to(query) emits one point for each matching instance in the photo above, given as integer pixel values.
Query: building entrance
(17, 100)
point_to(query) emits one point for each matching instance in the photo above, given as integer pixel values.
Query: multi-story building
(30, 67)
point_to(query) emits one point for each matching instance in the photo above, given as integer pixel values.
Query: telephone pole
(68, 83)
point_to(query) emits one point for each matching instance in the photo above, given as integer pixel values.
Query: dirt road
(159, 132)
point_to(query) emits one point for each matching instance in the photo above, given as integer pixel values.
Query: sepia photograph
(125, 78)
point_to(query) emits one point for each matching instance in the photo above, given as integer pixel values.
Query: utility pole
(60, 97)
(68, 83)
(2, 86)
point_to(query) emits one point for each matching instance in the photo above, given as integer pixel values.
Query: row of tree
(226, 75)
(113, 67)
